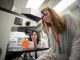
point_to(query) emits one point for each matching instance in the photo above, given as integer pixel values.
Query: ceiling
(20, 4)
(50, 3)
(26, 6)
(58, 5)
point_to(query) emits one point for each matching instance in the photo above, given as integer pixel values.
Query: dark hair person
(34, 36)
(63, 34)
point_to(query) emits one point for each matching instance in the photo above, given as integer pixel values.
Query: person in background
(35, 37)
(63, 34)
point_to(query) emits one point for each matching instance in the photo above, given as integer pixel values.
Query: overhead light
(35, 4)
(62, 5)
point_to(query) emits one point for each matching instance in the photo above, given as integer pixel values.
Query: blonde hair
(56, 20)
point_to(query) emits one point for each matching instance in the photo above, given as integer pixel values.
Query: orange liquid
(25, 44)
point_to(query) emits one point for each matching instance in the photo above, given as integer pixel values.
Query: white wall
(6, 22)
(76, 14)
(78, 2)
(19, 4)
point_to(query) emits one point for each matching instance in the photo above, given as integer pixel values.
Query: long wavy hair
(38, 36)
(56, 20)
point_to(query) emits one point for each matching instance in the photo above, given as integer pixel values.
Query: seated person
(34, 36)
